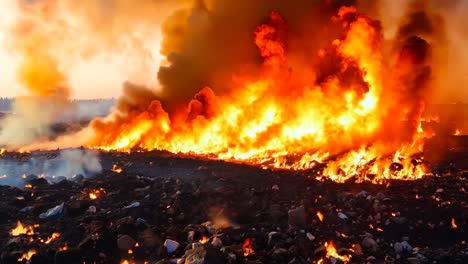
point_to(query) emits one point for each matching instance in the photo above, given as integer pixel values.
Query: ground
(242, 214)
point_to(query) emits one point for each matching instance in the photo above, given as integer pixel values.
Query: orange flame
(51, 238)
(457, 132)
(2, 150)
(331, 252)
(247, 246)
(22, 230)
(28, 255)
(64, 248)
(280, 119)
(115, 168)
(204, 239)
(320, 216)
(453, 223)
(95, 194)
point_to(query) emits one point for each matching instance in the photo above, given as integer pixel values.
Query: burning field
(278, 132)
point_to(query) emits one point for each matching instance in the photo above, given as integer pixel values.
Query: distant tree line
(6, 104)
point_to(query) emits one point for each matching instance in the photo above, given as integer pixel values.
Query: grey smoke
(69, 163)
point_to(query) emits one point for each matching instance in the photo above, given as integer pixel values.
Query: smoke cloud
(71, 162)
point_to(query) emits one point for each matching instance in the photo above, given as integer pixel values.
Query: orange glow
(28, 255)
(64, 248)
(130, 251)
(332, 252)
(280, 120)
(247, 246)
(115, 168)
(2, 150)
(22, 230)
(95, 194)
(457, 132)
(51, 238)
(453, 223)
(204, 239)
(320, 216)
(28, 186)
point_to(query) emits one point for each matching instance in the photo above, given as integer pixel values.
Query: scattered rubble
(165, 209)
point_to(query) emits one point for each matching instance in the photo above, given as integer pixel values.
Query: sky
(102, 74)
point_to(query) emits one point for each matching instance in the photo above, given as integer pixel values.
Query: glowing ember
(204, 239)
(282, 118)
(51, 238)
(64, 248)
(247, 246)
(457, 132)
(453, 223)
(95, 194)
(320, 216)
(22, 230)
(115, 168)
(331, 252)
(28, 186)
(28, 255)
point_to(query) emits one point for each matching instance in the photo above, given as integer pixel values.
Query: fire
(115, 168)
(64, 248)
(247, 246)
(2, 150)
(28, 186)
(284, 118)
(331, 252)
(204, 239)
(22, 230)
(95, 194)
(320, 216)
(28, 255)
(457, 132)
(453, 223)
(51, 238)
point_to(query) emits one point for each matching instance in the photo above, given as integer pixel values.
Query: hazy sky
(102, 74)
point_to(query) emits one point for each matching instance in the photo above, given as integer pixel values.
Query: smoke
(52, 38)
(39, 73)
(71, 162)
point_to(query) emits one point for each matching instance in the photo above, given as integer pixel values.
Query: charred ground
(160, 197)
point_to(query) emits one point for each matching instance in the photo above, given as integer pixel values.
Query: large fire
(362, 118)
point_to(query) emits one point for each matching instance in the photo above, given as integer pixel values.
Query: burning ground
(155, 207)
(279, 132)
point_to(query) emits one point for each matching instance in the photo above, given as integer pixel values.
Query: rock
(402, 247)
(342, 216)
(55, 212)
(297, 216)
(217, 242)
(421, 258)
(38, 182)
(132, 205)
(203, 255)
(369, 244)
(150, 239)
(171, 245)
(310, 236)
(125, 242)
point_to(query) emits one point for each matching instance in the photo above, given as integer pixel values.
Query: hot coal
(164, 208)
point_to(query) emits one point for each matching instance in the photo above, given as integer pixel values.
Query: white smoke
(70, 163)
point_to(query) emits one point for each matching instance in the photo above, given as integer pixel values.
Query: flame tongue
(284, 113)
